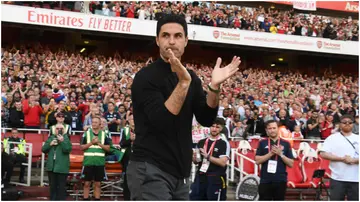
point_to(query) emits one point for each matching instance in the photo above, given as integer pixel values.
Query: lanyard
(350, 143)
(270, 147)
(211, 147)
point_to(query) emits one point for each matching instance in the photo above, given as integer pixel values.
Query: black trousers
(274, 191)
(147, 182)
(57, 186)
(16, 159)
(340, 189)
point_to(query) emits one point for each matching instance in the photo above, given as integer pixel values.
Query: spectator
(327, 126)
(17, 116)
(340, 149)
(32, 112)
(113, 118)
(313, 130)
(76, 123)
(61, 108)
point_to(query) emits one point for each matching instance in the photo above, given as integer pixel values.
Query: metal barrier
(28, 150)
(73, 132)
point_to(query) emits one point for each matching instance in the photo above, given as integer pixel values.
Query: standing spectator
(274, 155)
(94, 143)
(58, 148)
(326, 127)
(17, 116)
(313, 129)
(141, 13)
(342, 149)
(239, 131)
(61, 108)
(32, 112)
(211, 173)
(113, 118)
(76, 123)
(126, 142)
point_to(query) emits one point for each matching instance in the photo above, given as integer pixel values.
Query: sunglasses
(60, 116)
(347, 122)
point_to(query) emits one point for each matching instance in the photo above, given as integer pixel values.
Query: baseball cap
(60, 114)
(347, 116)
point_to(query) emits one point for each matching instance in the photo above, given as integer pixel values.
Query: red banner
(345, 6)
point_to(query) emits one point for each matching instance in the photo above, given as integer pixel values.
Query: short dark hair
(219, 121)
(171, 18)
(267, 123)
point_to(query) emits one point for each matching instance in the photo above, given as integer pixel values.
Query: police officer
(274, 154)
(210, 178)
(16, 153)
(58, 148)
(95, 143)
(127, 139)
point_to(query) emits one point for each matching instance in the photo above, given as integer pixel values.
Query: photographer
(58, 148)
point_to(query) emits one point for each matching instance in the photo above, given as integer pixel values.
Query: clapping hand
(203, 153)
(219, 75)
(276, 150)
(177, 67)
(95, 140)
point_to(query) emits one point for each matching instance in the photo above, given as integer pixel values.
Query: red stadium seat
(37, 143)
(254, 143)
(75, 138)
(308, 165)
(234, 143)
(248, 166)
(295, 177)
(325, 164)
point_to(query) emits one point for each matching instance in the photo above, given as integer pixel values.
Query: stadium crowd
(272, 20)
(39, 81)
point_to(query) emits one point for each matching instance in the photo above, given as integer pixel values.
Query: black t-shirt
(162, 138)
(113, 127)
(281, 174)
(221, 149)
(315, 132)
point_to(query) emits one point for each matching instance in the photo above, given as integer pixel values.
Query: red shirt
(130, 13)
(326, 133)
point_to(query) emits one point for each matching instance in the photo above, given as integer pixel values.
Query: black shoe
(21, 180)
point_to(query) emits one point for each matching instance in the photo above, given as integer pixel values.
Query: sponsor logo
(351, 7)
(319, 44)
(226, 35)
(216, 34)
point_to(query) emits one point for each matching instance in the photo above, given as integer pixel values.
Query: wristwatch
(213, 90)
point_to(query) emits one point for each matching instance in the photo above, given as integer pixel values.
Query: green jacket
(61, 164)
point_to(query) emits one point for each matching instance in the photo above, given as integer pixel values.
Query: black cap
(347, 116)
(60, 114)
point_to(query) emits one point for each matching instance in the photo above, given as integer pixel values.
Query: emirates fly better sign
(74, 20)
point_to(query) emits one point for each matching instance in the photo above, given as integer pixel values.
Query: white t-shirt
(317, 100)
(141, 14)
(337, 144)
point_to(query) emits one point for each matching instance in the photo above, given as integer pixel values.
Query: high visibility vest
(21, 146)
(94, 155)
(53, 129)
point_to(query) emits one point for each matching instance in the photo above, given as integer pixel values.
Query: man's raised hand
(177, 67)
(219, 75)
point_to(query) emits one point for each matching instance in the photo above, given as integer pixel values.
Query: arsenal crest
(216, 34)
(319, 44)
